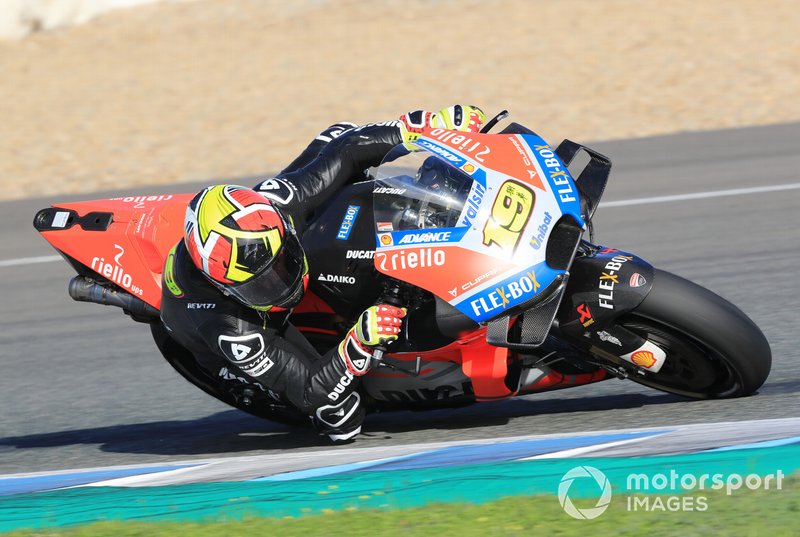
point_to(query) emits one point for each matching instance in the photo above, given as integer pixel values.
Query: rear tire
(713, 349)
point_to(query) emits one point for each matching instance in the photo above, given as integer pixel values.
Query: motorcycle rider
(229, 286)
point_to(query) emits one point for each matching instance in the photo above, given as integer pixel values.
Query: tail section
(119, 240)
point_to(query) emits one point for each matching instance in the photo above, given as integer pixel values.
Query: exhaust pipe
(83, 289)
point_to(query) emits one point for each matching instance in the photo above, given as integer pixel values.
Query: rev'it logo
(247, 352)
(241, 348)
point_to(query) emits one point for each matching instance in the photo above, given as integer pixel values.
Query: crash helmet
(245, 247)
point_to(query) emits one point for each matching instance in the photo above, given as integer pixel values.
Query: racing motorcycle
(481, 237)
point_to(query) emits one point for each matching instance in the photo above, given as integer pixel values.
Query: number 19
(510, 213)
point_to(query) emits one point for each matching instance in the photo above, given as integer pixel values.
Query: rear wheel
(713, 349)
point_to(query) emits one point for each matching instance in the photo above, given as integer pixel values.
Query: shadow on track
(501, 412)
(234, 431)
(225, 432)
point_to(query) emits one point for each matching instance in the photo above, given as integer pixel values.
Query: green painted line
(398, 489)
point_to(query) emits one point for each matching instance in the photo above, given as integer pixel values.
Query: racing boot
(342, 421)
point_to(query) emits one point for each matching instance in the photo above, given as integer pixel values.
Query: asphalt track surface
(83, 386)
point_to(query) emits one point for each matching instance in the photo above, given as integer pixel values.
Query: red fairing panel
(132, 250)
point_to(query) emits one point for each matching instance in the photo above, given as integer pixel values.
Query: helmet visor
(277, 281)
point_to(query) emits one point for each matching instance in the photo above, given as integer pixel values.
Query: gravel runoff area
(229, 88)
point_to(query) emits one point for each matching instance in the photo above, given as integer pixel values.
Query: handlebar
(492, 122)
(377, 354)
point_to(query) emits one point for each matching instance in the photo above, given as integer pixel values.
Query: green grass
(742, 514)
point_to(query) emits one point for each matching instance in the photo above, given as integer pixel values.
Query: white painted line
(577, 452)
(30, 260)
(700, 195)
(142, 479)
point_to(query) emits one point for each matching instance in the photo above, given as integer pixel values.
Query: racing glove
(457, 117)
(378, 325)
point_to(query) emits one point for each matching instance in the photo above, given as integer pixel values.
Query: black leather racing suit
(233, 341)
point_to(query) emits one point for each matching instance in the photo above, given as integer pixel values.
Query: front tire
(713, 349)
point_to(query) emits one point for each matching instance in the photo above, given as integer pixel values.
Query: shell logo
(386, 239)
(644, 359)
(469, 168)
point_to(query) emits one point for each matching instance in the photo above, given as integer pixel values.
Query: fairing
(480, 242)
(123, 240)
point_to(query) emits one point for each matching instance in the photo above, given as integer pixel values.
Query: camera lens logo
(582, 472)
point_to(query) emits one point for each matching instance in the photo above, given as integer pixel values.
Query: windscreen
(423, 193)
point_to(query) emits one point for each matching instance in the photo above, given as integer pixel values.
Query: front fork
(604, 284)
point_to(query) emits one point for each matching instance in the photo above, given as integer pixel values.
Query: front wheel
(713, 349)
